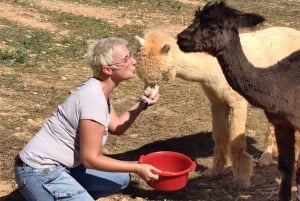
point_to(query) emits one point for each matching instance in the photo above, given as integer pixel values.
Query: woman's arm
(119, 124)
(91, 134)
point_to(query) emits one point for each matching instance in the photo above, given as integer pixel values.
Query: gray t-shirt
(57, 142)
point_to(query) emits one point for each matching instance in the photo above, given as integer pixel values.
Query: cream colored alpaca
(272, 151)
(160, 59)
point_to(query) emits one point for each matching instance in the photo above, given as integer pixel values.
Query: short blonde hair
(100, 53)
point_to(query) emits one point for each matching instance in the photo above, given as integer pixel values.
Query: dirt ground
(180, 122)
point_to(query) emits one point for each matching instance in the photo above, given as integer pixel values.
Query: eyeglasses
(124, 60)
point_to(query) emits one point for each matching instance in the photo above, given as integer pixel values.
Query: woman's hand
(151, 101)
(148, 172)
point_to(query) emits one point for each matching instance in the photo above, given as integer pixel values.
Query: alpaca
(272, 151)
(160, 59)
(275, 89)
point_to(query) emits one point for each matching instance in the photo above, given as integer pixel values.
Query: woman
(63, 161)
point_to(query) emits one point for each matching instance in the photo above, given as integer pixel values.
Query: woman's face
(124, 64)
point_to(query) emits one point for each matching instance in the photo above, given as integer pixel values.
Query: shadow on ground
(197, 146)
(13, 196)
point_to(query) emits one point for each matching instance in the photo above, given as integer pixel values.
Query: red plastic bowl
(175, 169)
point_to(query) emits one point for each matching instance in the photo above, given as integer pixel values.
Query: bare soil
(180, 122)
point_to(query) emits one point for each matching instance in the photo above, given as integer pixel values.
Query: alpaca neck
(242, 76)
(194, 66)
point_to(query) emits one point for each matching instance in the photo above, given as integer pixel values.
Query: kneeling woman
(63, 160)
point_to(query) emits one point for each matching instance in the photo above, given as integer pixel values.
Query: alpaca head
(154, 62)
(213, 27)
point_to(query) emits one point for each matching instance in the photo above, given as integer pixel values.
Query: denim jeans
(60, 183)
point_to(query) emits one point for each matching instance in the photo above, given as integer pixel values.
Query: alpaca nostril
(183, 36)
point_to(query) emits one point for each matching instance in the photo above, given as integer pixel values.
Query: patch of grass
(23, 42)
(167, 4)
(21, 120)
(277, 13)
(10, 79)
(37, 42)
(83, 27)
(74, 48)
(9, 57)
(172, 10)
(39, 48)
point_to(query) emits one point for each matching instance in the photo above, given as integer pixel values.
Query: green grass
(39, 48)
(165, 4)
(9, 57)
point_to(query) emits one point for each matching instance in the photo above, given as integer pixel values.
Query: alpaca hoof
(264, 160)
(208, 173)
(242, 182)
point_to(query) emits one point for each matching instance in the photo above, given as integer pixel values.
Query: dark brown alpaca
(275, 89)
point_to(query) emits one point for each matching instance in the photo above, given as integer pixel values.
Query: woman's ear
(106, 70)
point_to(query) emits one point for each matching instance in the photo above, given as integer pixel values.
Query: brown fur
(275, 89)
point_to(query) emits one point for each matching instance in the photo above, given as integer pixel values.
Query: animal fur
(275, 89)
(160, 59)
(272, 151)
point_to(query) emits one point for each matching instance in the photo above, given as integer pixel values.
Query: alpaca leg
(297, 154)
(297, 146)
(242, 162)
(271, 149)
(298, 183)
(220, 130)
(286, 157)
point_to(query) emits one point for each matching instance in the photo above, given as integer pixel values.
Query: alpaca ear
(249, 20)
(165, 49)
(140, 40)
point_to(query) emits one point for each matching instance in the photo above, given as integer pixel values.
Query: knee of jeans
(124, 180)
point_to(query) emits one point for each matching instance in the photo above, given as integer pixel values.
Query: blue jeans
(60, 183)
